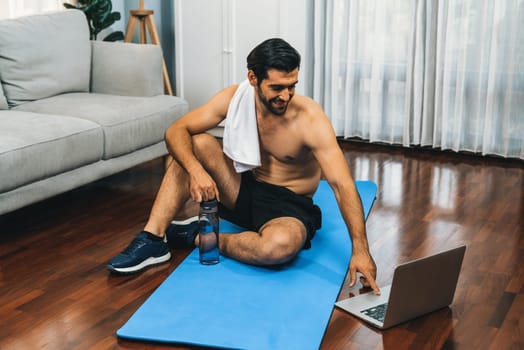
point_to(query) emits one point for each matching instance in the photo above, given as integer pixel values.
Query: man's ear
(252, 78)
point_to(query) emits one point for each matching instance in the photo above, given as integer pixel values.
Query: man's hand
(202, 187)
(363, 262)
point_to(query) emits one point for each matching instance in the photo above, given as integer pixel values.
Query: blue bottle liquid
(208, 221)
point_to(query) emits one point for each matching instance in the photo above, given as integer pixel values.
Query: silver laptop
(418, 287)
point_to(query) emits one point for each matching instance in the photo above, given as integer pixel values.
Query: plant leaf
(115, 36)
(69, 6)
(98, 14)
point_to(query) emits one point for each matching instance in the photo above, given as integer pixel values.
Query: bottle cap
(209, 204)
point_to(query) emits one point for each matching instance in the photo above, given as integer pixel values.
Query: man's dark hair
(272, 54)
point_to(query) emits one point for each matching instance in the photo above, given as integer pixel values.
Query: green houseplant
(100, 16)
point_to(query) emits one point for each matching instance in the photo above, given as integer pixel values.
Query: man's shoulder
(305, 99)
(308, 106)
(223, 97)
(311, 116)
(229, 91)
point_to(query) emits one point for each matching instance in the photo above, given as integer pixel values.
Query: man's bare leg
(172, 200)
(278, 242)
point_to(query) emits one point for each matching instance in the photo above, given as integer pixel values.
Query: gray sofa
(73, 110)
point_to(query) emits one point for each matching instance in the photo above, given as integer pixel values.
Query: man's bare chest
(284, 144)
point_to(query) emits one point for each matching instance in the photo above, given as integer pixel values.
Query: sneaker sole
(186, 221)
(146, 263)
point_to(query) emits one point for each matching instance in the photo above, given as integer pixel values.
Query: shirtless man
(297, 144)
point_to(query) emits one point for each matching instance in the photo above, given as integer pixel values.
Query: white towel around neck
(240, 138)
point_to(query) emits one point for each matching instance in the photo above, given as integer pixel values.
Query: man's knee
(205, 146)
(281, 247)
(278, 252)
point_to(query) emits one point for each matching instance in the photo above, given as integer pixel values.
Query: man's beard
(269, 104)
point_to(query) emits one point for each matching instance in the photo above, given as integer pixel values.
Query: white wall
(213, 38)
(118, 6)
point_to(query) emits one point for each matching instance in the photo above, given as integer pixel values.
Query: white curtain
(447, 74)
(18, 8)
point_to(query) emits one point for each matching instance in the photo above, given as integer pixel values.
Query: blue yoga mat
(234, 305)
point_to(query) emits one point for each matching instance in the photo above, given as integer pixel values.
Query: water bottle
(208, 233)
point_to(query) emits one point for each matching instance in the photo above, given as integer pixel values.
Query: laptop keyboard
(376, 312)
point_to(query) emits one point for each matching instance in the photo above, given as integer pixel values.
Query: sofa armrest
(126, 69)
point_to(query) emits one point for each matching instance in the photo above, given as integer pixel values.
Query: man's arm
(336, 171)
(179, 143)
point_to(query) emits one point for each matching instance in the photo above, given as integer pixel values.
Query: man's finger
(352, 276)
(217, 194)
(196, 196)
(370, 282)
(364, 281)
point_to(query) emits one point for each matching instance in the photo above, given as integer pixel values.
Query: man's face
(276, 91)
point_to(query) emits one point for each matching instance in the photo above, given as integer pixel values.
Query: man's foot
(181, 234)
(145, 250)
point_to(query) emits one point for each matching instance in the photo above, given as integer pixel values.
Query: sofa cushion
(126, 69)
(129, 123)
(36, 146)
(44, 55)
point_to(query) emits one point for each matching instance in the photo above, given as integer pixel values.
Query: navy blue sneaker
(181, 234)
(145, 250)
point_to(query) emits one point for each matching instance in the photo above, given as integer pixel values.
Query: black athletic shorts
(258, 202)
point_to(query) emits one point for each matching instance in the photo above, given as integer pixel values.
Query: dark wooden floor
(55, 292)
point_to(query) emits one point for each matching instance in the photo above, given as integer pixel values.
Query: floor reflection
(441, 197)
(404, 336)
